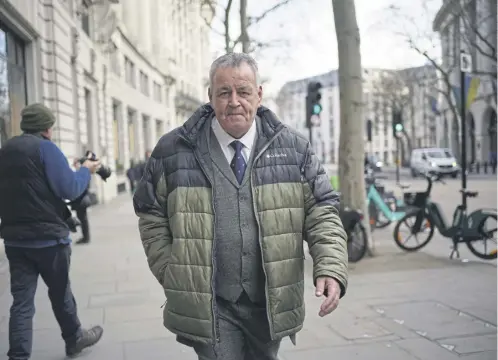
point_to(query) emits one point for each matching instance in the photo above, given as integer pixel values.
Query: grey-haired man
(224, 205)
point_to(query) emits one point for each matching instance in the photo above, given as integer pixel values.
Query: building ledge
(443, 13)
(186, 102)
(134, 47)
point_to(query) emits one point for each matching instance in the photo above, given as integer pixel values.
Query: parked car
(437, 161)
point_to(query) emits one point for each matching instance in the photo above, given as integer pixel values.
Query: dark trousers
(244, 333)
(52, 264)
(132, 186)
(82, 216)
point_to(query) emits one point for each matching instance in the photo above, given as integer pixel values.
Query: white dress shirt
(224, 139)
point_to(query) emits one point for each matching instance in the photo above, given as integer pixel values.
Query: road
(398, 306)
(390, 171)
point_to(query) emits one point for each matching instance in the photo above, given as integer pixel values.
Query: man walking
(223, 207)
(35, 178)
(81, 205)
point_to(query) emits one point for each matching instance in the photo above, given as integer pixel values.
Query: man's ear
(209, 94)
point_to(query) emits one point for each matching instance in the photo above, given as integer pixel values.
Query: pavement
(399, 306)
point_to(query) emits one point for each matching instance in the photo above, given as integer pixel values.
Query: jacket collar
(190, 131)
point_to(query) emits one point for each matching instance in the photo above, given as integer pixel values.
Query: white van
(433, 161)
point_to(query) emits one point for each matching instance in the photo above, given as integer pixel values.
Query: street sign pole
(465, 67)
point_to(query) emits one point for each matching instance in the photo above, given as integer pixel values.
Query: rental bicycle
(426, 215)
(383, 207)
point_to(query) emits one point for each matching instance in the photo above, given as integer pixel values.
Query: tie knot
(237, 146)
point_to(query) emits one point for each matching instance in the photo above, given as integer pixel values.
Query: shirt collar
(225, 139)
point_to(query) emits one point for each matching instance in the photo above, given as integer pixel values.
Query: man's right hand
(93, 166)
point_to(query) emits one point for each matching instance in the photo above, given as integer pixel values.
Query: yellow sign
(472, 92)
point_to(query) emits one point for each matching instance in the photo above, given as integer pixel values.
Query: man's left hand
(330, 288)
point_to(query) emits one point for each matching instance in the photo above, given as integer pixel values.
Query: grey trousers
(243, 332)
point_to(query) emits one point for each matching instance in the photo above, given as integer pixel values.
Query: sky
(307, 29)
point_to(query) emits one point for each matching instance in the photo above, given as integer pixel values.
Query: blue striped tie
(238, 163)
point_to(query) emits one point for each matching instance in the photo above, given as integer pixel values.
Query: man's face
(48, 134)
(235, 97)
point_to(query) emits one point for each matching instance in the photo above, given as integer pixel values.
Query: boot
(88, 338)
(82, 241)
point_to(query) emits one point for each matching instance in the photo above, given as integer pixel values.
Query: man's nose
(234, 100)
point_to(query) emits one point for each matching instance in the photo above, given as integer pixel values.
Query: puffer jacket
(293, 200)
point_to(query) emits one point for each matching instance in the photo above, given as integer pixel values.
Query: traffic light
(313, 106)
(397, 123)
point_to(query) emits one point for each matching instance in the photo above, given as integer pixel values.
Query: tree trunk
(226, 25)
(244, 35)
(351, 142)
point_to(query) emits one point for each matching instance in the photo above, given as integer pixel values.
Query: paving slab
(384, 351)
(398, 306)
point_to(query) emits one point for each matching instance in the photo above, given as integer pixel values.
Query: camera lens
(104, 172)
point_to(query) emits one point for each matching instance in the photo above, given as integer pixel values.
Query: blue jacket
(35, 178)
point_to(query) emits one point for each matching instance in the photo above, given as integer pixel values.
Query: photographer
(35, 178)
(80, 205)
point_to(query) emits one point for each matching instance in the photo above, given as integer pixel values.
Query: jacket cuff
(333, 275)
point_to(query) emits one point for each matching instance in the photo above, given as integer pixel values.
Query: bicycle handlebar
(431, 178)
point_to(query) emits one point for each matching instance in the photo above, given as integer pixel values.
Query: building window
(130, 76)
(146, 131)
(85, 17)
(158, 92)
(386, 119)
(159, 130)
(12, 84)
(117, 133)
(114, 58)
(144, 83)
(131, 134)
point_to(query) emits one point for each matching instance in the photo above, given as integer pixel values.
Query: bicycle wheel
(357, 243)
(487, 234)
(426, 227)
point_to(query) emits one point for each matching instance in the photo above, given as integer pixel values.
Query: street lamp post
(399, 128)
(465, 67)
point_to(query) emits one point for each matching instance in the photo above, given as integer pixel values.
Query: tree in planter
(351, 141)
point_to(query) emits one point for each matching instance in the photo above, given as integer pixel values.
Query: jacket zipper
(213, 262)
(270, 323)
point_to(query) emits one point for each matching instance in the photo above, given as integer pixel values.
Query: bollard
(485, 167)
(478, 167)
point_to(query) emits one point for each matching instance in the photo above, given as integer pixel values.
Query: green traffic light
(317, 109)
(398, 127)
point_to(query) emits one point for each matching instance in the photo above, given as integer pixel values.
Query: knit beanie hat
(36, 118)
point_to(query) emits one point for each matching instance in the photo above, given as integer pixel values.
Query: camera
(104, 171)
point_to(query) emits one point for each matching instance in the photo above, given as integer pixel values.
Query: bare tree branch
(256, 19)
(472, 29)
(246, 21)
